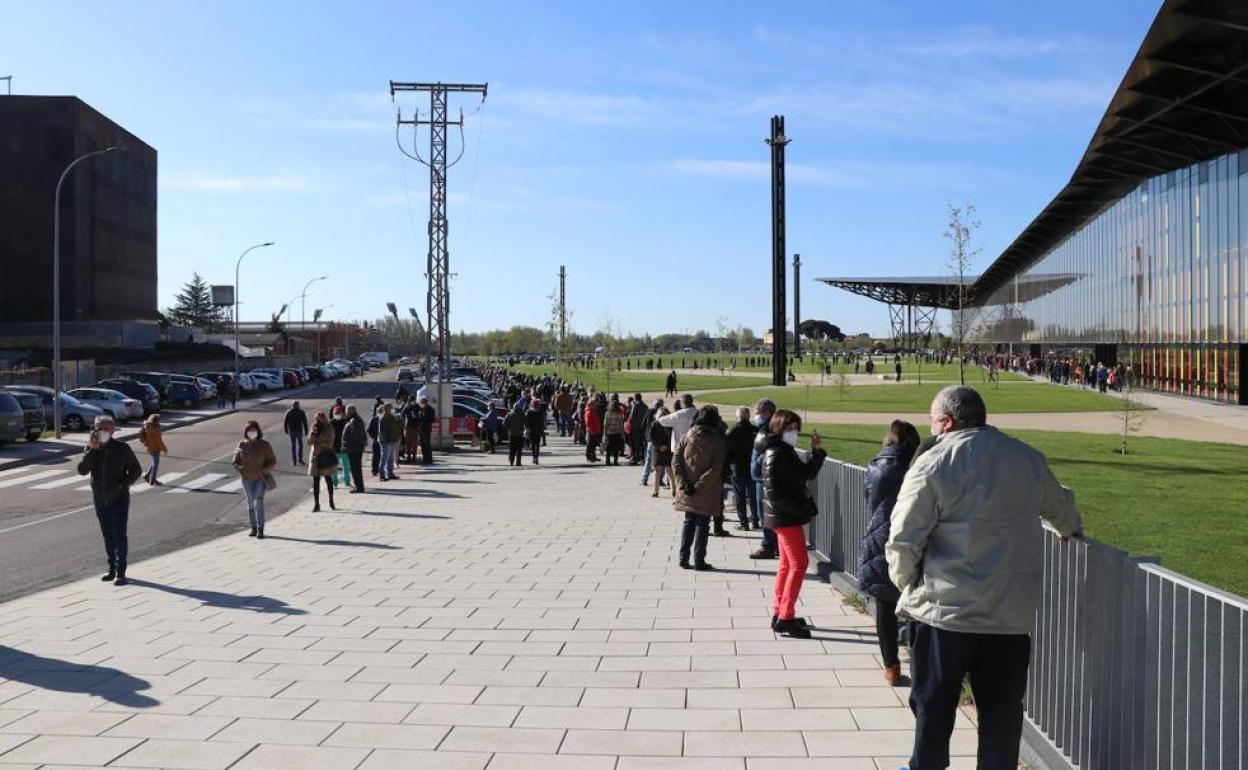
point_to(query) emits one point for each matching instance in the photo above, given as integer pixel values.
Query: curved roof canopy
(1183, 100)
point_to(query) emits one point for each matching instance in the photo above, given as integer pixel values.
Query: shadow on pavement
(229, 601)
(374, 490)
(343, 543)
(64, 676)
(398, 515)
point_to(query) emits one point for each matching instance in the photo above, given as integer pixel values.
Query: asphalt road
(50, 536)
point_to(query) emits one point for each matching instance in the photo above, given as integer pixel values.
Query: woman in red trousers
(789, 508)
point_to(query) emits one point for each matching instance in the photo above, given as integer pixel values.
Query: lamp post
(56, 285)
(303, 303)
(237, 265)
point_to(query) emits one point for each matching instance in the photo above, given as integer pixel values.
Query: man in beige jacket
(966, 549)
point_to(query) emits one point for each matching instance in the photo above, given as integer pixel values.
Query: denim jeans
(745, 491)
(113, 518)
(387, 458)
(693, 535)
(254, 490)
(647, 470)
(296, 447)
(154, 468)
(769, 537)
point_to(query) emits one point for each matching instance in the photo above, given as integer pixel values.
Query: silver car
(111, 402)
(75, 415)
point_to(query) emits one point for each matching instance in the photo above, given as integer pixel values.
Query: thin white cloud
(987, 42)
(865, 175)
(282, 181)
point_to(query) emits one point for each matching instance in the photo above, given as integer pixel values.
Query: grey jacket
(966, 543)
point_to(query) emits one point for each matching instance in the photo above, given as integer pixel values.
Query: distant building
(108, 226)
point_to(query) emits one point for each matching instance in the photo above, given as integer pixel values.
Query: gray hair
(765, 405)
(104, 419)
(351, 409)
(963, 404)
(743, 413)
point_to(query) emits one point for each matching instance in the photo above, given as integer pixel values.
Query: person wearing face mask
(113, 468)
(763, 412)
(740, 448)
(254, 460)
(698, 471)
(790, 507)
(966, 549)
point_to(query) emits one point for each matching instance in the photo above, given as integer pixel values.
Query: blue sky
(623, 140)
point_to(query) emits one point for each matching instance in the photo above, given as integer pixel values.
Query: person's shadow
(229, 601)
(63, 676)
(343, 543)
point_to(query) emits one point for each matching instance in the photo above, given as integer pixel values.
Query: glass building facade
(1158, 281)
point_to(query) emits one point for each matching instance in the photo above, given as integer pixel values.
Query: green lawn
(809, 366)
(1184, 501)
(645, 382)
(913, 399)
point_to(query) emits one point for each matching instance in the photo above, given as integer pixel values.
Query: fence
(1133, 665)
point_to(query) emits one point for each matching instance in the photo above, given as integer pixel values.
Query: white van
(377, 357)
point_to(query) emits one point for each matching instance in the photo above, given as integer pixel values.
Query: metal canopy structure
(1183, 100)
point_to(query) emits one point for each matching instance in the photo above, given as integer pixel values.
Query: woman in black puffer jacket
(789, 509)
(884, 476)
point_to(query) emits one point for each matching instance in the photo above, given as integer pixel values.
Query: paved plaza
(474, 616)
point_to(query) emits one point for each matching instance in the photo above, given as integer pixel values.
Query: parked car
(209, 387)
(32, 412)
(407, 375)
(12, 419)
(191, 380)
(314, 374)
(158, 380)
(184, 394)
(265, 380)
(215, 376)
(246, 384)
(75, 415)
(145, 394)
(117, 405)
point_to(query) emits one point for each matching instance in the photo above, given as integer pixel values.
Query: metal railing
(1133, 665)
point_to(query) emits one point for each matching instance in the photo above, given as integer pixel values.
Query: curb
(23, 461)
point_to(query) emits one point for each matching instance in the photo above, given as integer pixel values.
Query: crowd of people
(951, 557)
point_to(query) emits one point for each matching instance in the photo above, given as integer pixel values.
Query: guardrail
(1133, 665)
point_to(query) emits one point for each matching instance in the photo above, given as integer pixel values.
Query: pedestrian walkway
(470, 616)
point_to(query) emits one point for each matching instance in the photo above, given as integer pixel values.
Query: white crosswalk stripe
(32, 477)
(199, 483)
(74, 479)
(164, 478)
(234, 486)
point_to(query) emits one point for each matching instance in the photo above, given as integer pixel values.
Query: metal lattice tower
(438, 300)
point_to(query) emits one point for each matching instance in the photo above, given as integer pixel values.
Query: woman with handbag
(790, 508)
(324, 460)
(254, 460)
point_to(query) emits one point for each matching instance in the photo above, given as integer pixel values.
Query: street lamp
(316, 317)
(303, 303)
(56, 285)
(237, 265)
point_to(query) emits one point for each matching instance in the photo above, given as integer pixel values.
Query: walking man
(354, 441)
(966, 549)
(296, 426)
(113, 468)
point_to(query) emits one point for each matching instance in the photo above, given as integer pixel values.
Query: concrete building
(108, 226)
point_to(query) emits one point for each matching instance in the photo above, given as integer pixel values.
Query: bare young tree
(1132, 415)
(962, 254)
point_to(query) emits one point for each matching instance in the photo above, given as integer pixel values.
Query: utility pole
(563, 313)
(797, 305)
(779, 346)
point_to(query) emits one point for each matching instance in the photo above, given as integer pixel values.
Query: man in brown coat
(698, 464)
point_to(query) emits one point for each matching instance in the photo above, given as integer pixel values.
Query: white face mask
(105, 436)
(790, 437)
(252, 434)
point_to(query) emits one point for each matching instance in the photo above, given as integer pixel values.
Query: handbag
(270, 483)
(326, 458)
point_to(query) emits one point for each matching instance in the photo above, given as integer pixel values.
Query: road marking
(234, 486)
(60, 483)
(32, 477)
(199, 483)
(162, 477)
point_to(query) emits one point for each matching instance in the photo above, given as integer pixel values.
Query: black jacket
(785, 474)
(354, 435)
(296, 422)
(338, 424)
(741, 448)
(113, 468)
(884, 476)
(427, 418)
(535, 423)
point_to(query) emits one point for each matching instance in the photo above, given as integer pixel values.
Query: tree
(962, 226)
(277, 327)
(193, 307)
(1131, 414)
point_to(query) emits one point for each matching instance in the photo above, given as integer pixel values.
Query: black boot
(121, 578)
(112, 574)
(260, 533)
(792, 628)
(253, 532)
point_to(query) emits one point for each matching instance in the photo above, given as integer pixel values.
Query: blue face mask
(759, 420)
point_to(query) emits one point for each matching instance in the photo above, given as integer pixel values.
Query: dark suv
(145, 394)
